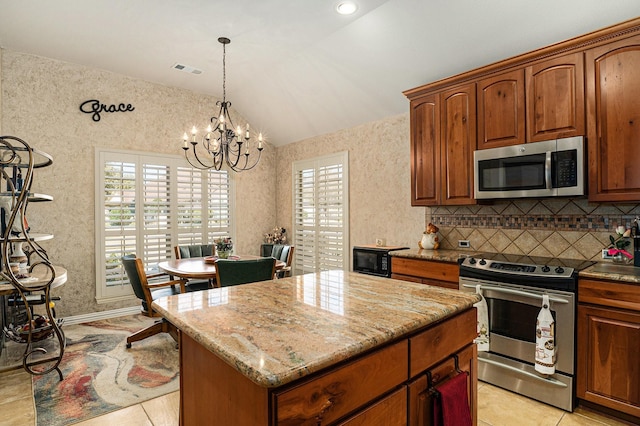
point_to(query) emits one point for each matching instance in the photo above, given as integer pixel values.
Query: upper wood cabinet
(501, 110)
(443, 138)
(425, 151)
(555, 98)
(613, 117)
(458, 143)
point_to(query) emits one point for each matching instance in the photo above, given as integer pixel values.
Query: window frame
(111, 293)
(301, 252)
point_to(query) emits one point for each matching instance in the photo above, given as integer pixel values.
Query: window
(148, 203)
(321, 213)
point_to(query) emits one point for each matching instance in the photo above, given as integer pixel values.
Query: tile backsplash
(555, 227)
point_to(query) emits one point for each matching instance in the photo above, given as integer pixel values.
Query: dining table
(201, 268)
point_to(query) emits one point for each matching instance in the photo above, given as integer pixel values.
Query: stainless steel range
(513, 287)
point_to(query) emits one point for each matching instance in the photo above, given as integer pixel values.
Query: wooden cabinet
(440, 274)
(425, 151)
(458, 143)
(372, 389)
(420, 397)
(613, 120)
(501, 110)
(555, 98)
(443, 138)
(608, 344)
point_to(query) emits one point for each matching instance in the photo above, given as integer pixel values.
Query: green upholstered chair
(283, 253)
(234, 272)
(147, 292)
(195, 250)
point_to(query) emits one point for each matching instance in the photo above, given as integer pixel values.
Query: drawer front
(615, 294)
(390, 411)
(437, 343)
(441, 271)
(328, 397)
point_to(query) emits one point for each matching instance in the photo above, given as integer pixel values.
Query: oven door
(513, 312)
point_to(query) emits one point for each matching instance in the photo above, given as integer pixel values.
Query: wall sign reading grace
(94, 107)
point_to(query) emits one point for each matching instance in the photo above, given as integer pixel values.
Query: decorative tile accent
(557, 227)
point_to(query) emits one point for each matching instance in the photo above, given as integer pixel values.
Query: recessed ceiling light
(346, 7)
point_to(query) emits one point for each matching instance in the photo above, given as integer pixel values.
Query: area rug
(102, 375)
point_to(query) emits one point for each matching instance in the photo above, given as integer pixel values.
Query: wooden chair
(195, 250)
(283, 253)
(147, 292)
(234, 272)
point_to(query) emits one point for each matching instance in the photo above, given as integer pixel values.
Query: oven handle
(517, 293)
(547, 380)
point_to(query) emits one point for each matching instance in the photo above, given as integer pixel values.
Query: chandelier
(222, 143)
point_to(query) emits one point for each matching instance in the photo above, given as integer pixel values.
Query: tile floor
(496, 407)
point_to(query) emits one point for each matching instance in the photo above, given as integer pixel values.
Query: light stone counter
(274, 332)
(436, 255)
(612, 272)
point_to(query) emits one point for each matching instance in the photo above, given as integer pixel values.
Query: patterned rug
(101, 375)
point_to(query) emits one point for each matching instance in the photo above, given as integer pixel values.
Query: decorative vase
(224, 254)
(18, 255)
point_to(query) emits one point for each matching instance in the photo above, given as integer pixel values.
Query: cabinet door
(458, 142)
(390, 411)
(613, 120)
(608, 369)
(555, 98)
(420, 411)
(425, 151)
(501, 110)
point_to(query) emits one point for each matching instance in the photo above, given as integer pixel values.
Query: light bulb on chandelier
(227, 146)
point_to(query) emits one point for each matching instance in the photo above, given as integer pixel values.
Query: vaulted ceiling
(296, 68)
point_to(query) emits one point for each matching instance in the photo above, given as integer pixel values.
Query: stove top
(535, 271)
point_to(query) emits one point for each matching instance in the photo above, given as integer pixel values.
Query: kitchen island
(327, 348)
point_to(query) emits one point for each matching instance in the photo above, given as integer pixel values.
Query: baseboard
(95, 316)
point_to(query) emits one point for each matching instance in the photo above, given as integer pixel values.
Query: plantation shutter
(219, 205)
(321, 219)
(156, 214)
(117, 208)
(148, 204)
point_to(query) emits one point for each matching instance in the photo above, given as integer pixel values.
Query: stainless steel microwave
(552, 168)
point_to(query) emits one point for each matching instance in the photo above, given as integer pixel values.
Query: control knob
(559, 270)
(483, 262)
(472, 260)
(545, 268)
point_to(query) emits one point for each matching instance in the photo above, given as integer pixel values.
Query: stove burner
(543, 272)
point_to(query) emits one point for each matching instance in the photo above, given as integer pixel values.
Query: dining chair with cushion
(147, 292)
(283, 253)
(234, 272)
(195, 250)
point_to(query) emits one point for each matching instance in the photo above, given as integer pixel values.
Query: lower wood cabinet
(609, 345)
(431, 272)
(381, 388)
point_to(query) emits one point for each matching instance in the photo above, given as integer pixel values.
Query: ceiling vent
(186, 68)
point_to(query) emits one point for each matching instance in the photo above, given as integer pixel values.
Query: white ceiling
(295, 68)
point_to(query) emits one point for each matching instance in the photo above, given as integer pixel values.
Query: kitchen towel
(451, 405)
(482, 341)
(545, 340)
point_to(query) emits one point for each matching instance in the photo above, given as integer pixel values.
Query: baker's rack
(17, 163)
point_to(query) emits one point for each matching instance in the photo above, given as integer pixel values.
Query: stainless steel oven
(513, 287)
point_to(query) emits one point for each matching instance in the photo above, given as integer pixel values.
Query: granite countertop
(277, 331)
(436, 255)
(613, 272)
